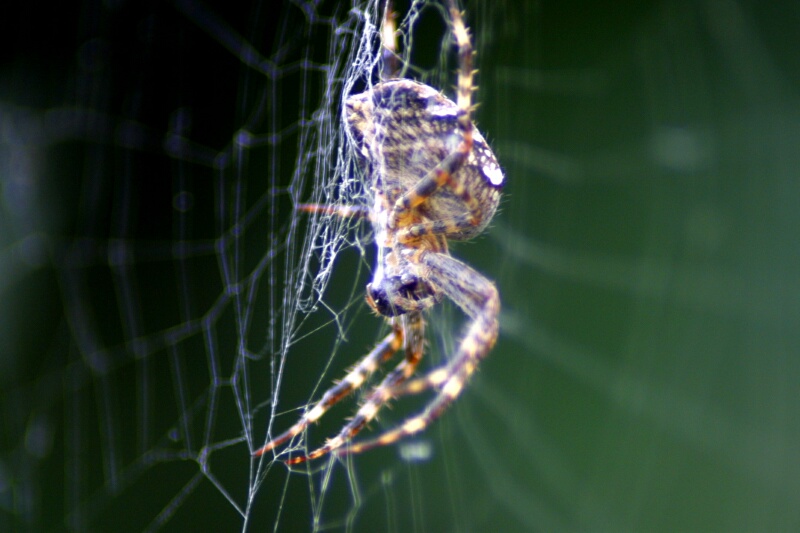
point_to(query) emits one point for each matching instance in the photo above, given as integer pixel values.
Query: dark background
(646, 253)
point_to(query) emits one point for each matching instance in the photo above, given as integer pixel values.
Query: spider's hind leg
(443, 174)
(463, 224)
(343, 211)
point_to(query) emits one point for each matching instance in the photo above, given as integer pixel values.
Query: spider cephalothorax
(432, 177)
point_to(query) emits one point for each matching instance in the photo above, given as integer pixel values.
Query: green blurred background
(646, 253)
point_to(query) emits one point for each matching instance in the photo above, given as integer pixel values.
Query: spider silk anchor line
(433, 177)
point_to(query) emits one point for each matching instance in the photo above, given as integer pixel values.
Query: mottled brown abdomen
(402, 130)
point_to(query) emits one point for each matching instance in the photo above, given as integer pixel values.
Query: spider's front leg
(354, 379)
(479, 299)
(413, 326)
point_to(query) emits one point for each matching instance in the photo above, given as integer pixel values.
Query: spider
(434, 178)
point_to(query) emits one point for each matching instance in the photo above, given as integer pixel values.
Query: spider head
(398, 295)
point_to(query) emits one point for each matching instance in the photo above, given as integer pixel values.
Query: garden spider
(434, 178)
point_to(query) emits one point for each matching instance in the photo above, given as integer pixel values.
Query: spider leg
(389, 42)
(465, 72)
(479, 299)
(344, 211)
(415, 335)
(443, 174)
(353, 380)
(447, 226)
(440, 176)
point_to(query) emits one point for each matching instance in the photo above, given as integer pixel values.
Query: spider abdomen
(403, 129)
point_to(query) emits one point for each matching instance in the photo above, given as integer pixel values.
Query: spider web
(165, 308)
(187, 307)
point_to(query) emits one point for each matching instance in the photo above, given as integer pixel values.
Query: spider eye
(378, 299)
(391, 296)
